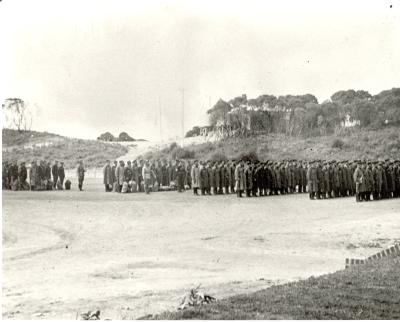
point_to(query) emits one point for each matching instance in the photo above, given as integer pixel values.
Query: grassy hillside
(357, 144)
(30, 145)
(370, 291)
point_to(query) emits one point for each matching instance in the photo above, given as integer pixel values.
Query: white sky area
(86, 67)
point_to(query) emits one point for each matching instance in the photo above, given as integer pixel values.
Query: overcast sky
(87, 67)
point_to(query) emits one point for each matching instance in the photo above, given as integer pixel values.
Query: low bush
(248, 156)
(218, 157)
(182, 153)
(338, 144)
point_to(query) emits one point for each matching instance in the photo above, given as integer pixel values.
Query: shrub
(248, 156)
(195, 131)
(218, 157)
(182, 153)
(393, 136)
(337, 144)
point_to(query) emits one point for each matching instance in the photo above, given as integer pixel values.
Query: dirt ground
(129, 255)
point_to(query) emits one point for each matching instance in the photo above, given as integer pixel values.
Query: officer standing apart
(81, 175)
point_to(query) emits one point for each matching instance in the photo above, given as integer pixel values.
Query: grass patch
(371, 291)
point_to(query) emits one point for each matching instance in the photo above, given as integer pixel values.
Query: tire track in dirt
(65, 239)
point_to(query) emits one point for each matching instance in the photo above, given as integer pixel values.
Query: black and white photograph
(200, 160)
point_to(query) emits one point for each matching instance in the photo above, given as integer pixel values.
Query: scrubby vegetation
(366, 292)
(355, 144)
(30, 145)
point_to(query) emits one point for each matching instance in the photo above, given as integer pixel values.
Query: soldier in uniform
(254, 175)
(369, 181)
(232, 168)
(61, 175)
(397, 178)
(221, 181)
(81, 175)
(312, 179)
(377, 174)
(22, 176)
(326, 180)
(239, 179)
(278, 181)
(54, 172)
(13, 175)
(33, 175)
(49, 185)
(107, 176)
(188, 178)
(248, 182)
(119, 175)
(128, 172)
(180, 177)
(195, 177)
(202, 178)
(146, 175)
(359, 180)
(213, 174)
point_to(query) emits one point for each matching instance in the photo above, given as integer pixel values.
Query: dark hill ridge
(122, 137)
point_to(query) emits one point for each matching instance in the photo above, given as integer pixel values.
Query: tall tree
(17, 114)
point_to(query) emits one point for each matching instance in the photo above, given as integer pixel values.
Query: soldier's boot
(318, 195)
(311, 196)
(357, 197)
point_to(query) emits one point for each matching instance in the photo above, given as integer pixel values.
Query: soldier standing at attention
(180, 177)
(312, 180)
(128, 172)
(119, 175)
(54, 172)
(47, 172)
(369, 181)
(107, 176)
(146, 175)
(23, 175)
(61, 174)
(114, 178)
(81, 175)
(195, 177)
(212, 178)
(202, 179)
(33, 175)
(359, 179)
(13, 173)
(239, 179)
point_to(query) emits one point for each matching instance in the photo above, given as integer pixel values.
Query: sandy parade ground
(129, 255)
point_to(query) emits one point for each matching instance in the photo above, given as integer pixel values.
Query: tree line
(297, 115)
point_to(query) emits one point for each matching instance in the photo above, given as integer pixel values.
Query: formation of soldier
(206, 178)
(42, 176)
(146, 176)
(367, 180)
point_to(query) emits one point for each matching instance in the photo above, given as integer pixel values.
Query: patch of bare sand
(131, 255)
